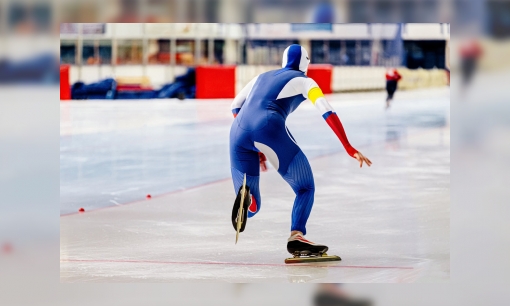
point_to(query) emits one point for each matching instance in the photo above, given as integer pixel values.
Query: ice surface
(389, 223)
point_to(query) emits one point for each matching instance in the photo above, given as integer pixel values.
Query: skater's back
(265, 102)
(275, 94)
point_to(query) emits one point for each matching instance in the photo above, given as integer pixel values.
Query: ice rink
(389, 223)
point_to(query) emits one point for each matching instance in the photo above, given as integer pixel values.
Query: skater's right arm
(241, 97)
(311, 91)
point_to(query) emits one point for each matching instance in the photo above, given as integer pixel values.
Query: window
(219, 46)
(266, 52)
(130, 52)
(204, 52)
(349, 56)
(105, 52)
(89, 54)
(365, 52)
(68, 52)
(159, 51)
(320, 52)
(425, 54)
(185, 52)
(97, 52)
(335, 52)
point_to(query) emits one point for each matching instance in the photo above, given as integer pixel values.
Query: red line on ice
(224, 263)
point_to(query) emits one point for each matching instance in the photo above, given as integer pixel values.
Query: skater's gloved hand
(362, 159)
(262, 161)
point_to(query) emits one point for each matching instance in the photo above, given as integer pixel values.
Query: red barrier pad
(215, 82)
(132, 87)
(65, 88)
(323, 75)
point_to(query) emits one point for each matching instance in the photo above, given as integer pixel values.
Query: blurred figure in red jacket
(392, 78)
(470, 52)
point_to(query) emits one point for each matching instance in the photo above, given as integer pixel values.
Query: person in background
(470, 52)
(392, 78)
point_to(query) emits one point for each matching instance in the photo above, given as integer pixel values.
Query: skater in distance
(392, 78)
(259, 132)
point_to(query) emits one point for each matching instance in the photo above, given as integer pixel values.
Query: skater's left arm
(241, 97)
(315, 95)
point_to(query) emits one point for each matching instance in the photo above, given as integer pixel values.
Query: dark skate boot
(298, 245)
(237, 206)
(306, 251)
(240, 209)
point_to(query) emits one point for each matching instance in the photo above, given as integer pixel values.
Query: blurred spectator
(129, 52)
(96, 52)
(470, 52)
(392, 78)
(159, 51)
(185, 52)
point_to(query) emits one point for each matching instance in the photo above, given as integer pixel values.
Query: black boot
(298, 245)
(237, 205)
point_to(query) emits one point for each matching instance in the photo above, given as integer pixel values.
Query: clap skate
(240, 209)
(305, 251)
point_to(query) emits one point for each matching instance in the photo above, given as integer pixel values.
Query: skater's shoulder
(286, 73)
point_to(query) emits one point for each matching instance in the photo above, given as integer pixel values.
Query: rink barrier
(356, 78)
(322, 74)
(421, 78)
(65, 88)
(225, 81)
(215, 82)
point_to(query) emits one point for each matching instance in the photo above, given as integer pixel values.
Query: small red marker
(81, 209)
(149, 196)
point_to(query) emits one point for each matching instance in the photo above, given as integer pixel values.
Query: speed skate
(311, 258)
(240, 209)
(305, 251)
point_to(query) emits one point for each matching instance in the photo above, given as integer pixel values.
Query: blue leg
(299, 176)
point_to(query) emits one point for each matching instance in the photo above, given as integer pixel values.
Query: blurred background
(150, 56)
(29, 180)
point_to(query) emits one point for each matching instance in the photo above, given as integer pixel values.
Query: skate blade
(310, 259)
(241, 207)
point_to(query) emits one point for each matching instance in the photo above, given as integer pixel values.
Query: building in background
(162, 51)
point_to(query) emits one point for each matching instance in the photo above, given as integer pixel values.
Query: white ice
(389, 222)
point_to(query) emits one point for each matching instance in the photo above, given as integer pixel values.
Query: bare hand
(362, 159)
